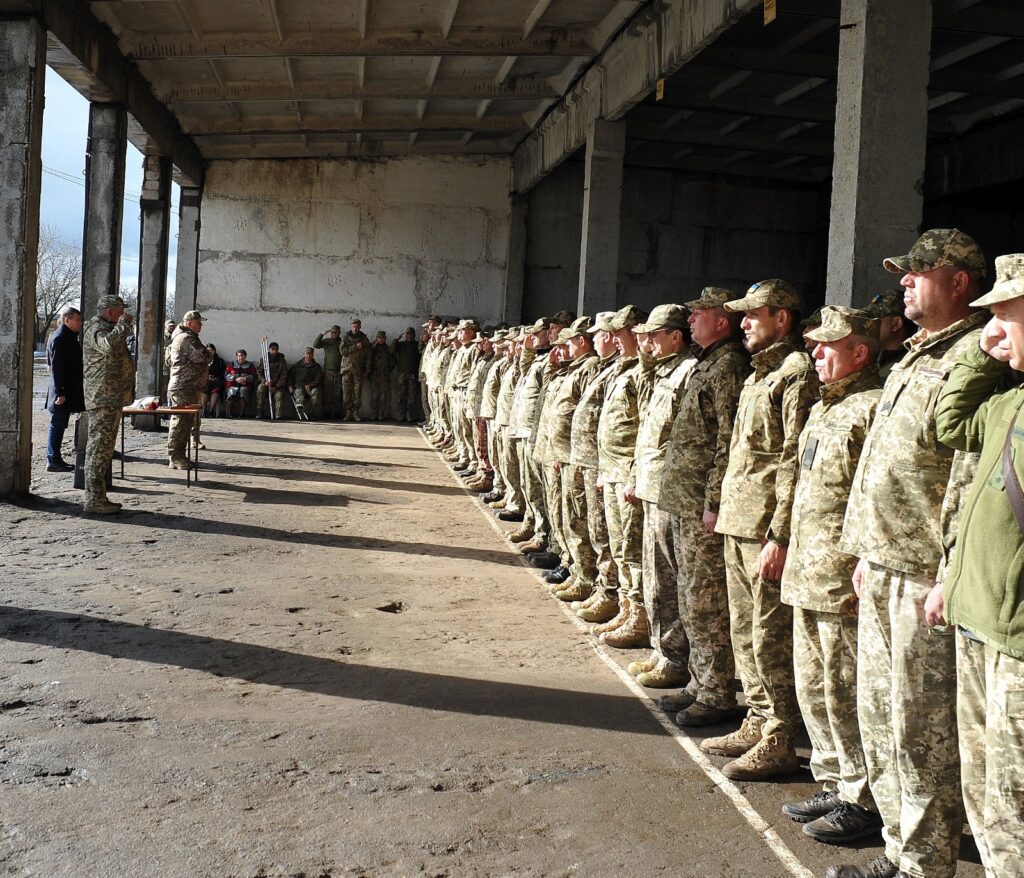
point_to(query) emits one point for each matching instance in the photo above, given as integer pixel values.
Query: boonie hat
(712, 297)
(838, 322)
(1009, 281)
(664, 317)
(887, 304)
(774, 292)
(938, 247)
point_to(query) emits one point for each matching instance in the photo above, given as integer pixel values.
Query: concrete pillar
(602, 199)
(22, 75)
(515, 267)
(880, 141)
(104, 204)
(186, 276)
(155, 205)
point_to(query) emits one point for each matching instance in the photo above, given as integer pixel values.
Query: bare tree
(58, 278)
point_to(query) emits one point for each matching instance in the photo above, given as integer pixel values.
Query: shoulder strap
(1014, 492)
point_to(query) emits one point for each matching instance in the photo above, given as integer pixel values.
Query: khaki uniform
(555, 376)
(354, 353)
(906, 676)
(496, 368)
(515, 501)
(817, 584)
(474, 405)
(757, 500)
(691, 483)
(190, 362)
(525, 414)
(456, 384)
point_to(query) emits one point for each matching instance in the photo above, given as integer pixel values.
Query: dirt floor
(325, 660)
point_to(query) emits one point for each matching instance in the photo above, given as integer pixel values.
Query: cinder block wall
(290, 247)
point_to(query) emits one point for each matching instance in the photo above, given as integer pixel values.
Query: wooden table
(191, 449)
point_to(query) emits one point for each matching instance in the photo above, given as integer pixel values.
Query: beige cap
(1009, 281)
(774, 292)
(604, 321)
(712, 297)
(664, 317)
(938, 247)
(627, 317)
(838, 322)
(579, 326)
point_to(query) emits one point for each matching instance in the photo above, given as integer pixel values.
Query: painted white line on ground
(740, 802)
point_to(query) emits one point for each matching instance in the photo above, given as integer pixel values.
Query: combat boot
(615, 621)
(582, 605)
(493, 497)
(511, 515)
(543, 560)
(736, 743)
(772, 756)
(677, 701)
(521, 535)
(845, 823)
(534, 545)
(603, 609)
(499, 503)
(557, 576)
(633, 633)
(574, 591)
(664, 676)
(698, 714)
(178, 463)
(818, 805)
(101, 507)
(634, 669)
(877, 868)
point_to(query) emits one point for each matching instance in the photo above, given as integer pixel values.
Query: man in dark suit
(65, 395)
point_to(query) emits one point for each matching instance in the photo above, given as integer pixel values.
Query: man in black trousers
(65, 395)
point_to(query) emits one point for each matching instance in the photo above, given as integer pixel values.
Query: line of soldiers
(695, 481)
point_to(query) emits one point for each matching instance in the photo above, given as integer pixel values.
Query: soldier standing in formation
(382, 364)
(354, 355)
(406, 351)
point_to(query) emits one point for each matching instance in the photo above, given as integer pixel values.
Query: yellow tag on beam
(769, 12)
(659, 91)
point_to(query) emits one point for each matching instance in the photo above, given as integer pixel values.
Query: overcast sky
(65, 130)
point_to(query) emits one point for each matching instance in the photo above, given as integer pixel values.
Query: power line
(70, 178)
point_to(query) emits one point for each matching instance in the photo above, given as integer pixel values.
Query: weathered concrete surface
(208, 685)
(155, 237)
(22, 74)
(288, 248)
(186, 273)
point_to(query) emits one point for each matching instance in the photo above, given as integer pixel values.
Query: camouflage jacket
(886, 360)
(529, 396)
(278, 370)
(440, 365)
(407, 356)
(583, 441)
(382, 362)
(108, 370)
(564, 403)
(190, 362)
(698, 447)
(302, 373)
(757, 491)
(894, 517)
(817, 574)
(620, 419)
(667, 380)
(499, 365)
(354, 352)
(540, 442)
(506, 393)
(332, 351)
(461, 368)
(475, 387)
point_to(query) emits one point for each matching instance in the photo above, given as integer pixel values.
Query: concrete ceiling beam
(710, 137)
(312, 124)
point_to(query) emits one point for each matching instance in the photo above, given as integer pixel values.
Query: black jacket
(64, 356)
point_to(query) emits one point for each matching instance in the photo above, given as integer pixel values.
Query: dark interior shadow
(277, 667)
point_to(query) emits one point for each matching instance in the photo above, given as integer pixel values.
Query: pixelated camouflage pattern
(506, 393)
(108, 370)
(408, 391)
(496, 368)
(556, 376)
(190, 362)
(583, 441)
(619, 422)
(354, 353)
(103, 424)
(178, 429)
(938, 247)
(625, 522)
(658, 565)
(575, 525)
(529, 396)
(564, 402)
(597, 527)
(481, 365)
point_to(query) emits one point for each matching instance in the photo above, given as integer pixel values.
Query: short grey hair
(69, 311)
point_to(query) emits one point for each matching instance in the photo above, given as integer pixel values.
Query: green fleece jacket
(982, 583)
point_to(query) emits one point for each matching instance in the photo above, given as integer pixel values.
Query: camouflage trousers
(179, 429)
(352, 392)
(482, 446)
(380, 397)
(511, 458)
(825, 654)
(575, 525)
(762, 638)
(533, 491)
(332, 394)
(700, 635)
(906, 704)
(607, 572)
(103, 424)
(990, 707)
(553, 507)
(463, 427)
(261, 400)
(425, 401)
(494, 455)
(658, 557)
(625, 522)
(309, 402)
(408, 390)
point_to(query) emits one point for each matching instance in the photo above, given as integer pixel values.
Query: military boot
(642, 667)
(582, 605)
(601, 610)
(698, 714)
(493, 497)
(498, 503)
(665, 676)
(773, 756)
(818, 805)
(618, 619)
(633, 633)
(557, 576)
(877, 868)
(511, 515)
(736, 743)
(101, 507)
(574, 590)
(533, 546)
(521, 535)
(677, 701)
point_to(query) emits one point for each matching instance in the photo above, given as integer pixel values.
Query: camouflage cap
(603, 322)
(938, 247)
(664, 317)
(310, 351)
(541, 325)
(107, 302)
(1009, 281)
(468, 323)
(774, 292)
(579, 327)
(192, 315)
(813, 319)
(628, 317)
(887, 304)
(712, 297)
(564, 318)
(381, 333)
(563, 336)
(838, 322)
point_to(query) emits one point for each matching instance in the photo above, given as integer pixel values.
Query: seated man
(272, 385)
(305, 380)
(240, 378)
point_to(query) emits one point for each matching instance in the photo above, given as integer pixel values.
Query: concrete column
(186, 276)
(104, 204)
(880, 141)
(515, 267)
(22, 75)
(602, 199)
(155, 205)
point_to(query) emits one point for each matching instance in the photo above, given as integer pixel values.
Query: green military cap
(563, 318)
(938, 247)
(814, 319)
(887, 304)
(337, 328)
(712, 297)
(1009, 281)
(542, 324)
(774, 292)
(107, 302)
(191, 315)
(579, 326)
(603, 322)
(310, 351)
(838, 322)
(627, 317)
(664, 317)
(381, 334)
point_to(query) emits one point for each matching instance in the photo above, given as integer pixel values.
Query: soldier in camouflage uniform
(906, 681)
(807, 326)
(424, 364)
(498, 365)
(190, 362)
(894, 328)
(330, 344)
(817, 577)
(406, 351)
(668, 331)
(555, 557)
(757, 499)
(274, 383)
(305, 384)
(463, 453)
(982, 584)
(691, 490)
(109, 376)
(382, 364)
(512, 504)
(355, 366)
(480, 477)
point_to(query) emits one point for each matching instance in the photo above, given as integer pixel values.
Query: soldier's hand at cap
(125, 318)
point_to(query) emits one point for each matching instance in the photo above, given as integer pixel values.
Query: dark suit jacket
(64, 354)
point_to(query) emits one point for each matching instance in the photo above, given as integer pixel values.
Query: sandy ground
(216, 683)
